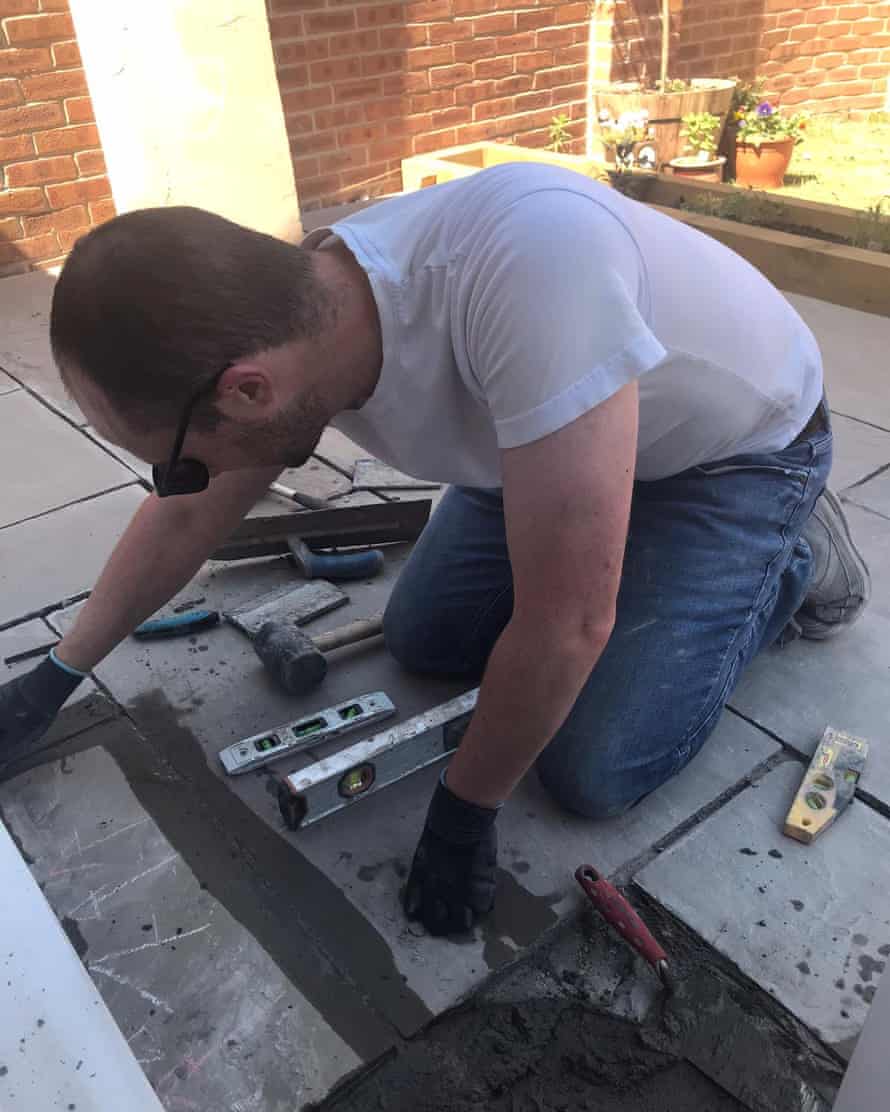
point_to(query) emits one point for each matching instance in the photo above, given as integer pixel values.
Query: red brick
(380, 15)
(473, 49)
(450, 117)
(17, 7)
(383, 109)
(400, 83)
(326, 23)
(27, 117)
(530, 102)
(285, 27)
(66, 54)
(425, 57)
(556, 37)
(320, 187)
(515, 83)
(10, 92)
(36, 247)
(38, 28)
(343, 159)
(25, 60)
(77, 192)
(78, 138)
(493, 109)
(50, 86)
(821, 15)
(303, 100)
(293, 77)
(386, 149)
(90, 162)
(474, 92)
(339, 117)
(54, 5)
(493, 68)
(14, 201)
(874, 70)
(434, 141)
(561, 75)
(863, 57)
(531, 21)
(356, 136)
(424, 11)
(69, 237)
(40, 171)
(450, 75)
(410, 125)
(336, 69)
(471, 7)
(477, 133)
(534, 61)
(103, 210)
(853, 11)
(847, 89)
(515, 44)
(314, 143)
(431, 102)
(305, 168)
(74, 217)
(16, 146)
(293, 52)
(10, 228)
(358, 90)
(396, 38)
(456, 31)
(374, 65)
(79, 110)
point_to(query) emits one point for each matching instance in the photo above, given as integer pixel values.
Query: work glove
(28, 705)
(452, 878)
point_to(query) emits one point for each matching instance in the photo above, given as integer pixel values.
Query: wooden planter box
(849, 276)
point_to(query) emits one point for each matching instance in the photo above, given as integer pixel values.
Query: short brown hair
(156, 302)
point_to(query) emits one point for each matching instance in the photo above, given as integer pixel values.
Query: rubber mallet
(296, 661)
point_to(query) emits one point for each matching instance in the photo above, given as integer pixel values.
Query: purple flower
(765, 109)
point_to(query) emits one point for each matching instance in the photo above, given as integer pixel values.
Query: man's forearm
(531, 683)
(163, 547)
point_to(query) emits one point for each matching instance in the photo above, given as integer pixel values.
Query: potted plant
(703, 164)
(627, 140)
(665, 100)
(765, 141)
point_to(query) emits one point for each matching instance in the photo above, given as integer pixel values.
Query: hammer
(297, 661)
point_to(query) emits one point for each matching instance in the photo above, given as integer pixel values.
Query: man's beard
(289, 438)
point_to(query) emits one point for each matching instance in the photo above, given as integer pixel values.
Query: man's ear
(246, 392)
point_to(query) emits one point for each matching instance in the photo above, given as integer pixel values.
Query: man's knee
(597, 792)
(419, 642)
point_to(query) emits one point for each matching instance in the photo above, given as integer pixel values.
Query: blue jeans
(714, 568)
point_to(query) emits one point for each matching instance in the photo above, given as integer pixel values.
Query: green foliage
(873, 229)
(747, 95)
(560, 135)
(748, 207)
(701, 131)
(673, 85)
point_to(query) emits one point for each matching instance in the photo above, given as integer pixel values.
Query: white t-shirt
(513, 301)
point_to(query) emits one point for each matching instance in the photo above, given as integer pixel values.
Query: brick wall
(366, 84)
(53, 185)
(814, 54)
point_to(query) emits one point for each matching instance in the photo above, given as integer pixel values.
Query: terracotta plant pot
(763, 166)
(702, 169)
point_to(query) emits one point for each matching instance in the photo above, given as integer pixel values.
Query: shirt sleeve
(553, 326)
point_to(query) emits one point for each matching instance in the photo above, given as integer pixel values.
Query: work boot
(841, 584)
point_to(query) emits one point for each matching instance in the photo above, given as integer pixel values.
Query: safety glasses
(184, 476)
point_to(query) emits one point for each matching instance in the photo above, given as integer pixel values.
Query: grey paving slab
(854, 351)
(339, 451)
(7, 384)
(204, 695)
(209, 1015)
(51, 462)
(810, 924)
(136, 465)
(24, 340)
(87, 705)
(873, 495)
(797, 691)
(56, 556)
(859, 450)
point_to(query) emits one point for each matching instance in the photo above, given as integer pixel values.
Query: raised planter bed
(805, 250)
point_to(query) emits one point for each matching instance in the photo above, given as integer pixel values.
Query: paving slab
(52, 462)
(859, 451)
(797, 691)
(854, 351)
(87, 705)
(136, 465)
(810, 924)
(7, 384)
(210, 1016)
(873, 495)
(60, 554)
(24, 340)
(199, 697)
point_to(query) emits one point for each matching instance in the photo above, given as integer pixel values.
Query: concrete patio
(254, 968)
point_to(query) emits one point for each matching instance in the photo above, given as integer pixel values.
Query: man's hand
(28, 706)
(452, 879)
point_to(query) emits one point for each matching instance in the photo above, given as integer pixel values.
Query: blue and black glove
(29, 703)
(454, 872)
